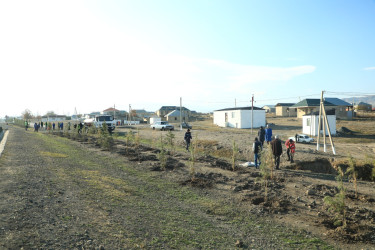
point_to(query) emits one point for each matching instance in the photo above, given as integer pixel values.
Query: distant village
(236, 117)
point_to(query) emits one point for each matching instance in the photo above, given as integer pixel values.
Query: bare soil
(54, 200)
(295, 196)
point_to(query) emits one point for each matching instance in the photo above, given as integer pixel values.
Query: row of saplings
(336, 204)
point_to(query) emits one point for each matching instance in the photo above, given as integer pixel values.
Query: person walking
(257, 148)
(261, 135)
(290, 149)
(187, 139)
(26, 125)
(268, 134)
(277, 150)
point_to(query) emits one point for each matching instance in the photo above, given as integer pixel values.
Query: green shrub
(105, 139)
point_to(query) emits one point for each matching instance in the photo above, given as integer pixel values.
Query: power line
(350, 93)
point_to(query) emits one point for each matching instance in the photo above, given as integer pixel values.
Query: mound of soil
(345, 131)
(319, 165)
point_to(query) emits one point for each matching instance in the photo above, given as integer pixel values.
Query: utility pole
(324, 123)
(235, 102)
(130, 114)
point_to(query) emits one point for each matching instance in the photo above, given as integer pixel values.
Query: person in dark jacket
(261, 135)
(277, 150)
(187, 138)
(257, 148)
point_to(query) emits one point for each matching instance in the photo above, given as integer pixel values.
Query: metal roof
(240, 108)
(284, 104)
(337, 101)
(311, 103)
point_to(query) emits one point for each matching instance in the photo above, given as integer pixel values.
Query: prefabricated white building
(240, 117)
(154, 119)
(311, 124)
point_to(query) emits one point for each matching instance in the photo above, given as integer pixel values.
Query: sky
(70, 55)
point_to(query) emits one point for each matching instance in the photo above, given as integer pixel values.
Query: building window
(233, 114)
(308, 122)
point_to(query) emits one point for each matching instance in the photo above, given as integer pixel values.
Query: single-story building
(362, 106)
(310, 123)
(53, 118)
(164, 110)
(269, 108)
(176, 115)
(308, 106)
(285, 110)
(240, 117)
(343, 109)
(154, 119)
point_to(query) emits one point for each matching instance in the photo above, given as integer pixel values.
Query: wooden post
(329, 132)
(320, 121)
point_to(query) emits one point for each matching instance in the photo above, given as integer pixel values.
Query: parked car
(162, 125)
(302, 138)
(186, 125)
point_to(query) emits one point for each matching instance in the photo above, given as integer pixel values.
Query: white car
(302, 138)
(162, 125)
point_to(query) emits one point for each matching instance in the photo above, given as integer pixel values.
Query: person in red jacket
(290, 149)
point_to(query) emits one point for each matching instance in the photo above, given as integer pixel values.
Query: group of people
(276, 147)
(46, 125)
(264, 135)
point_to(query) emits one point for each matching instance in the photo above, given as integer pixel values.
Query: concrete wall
(304, 111)
(283, 111)
(239, 118)
(171, 118)
(341, 113)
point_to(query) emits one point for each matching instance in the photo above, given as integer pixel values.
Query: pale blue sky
(58, 55)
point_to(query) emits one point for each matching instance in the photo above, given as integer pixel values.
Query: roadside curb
(3, 138)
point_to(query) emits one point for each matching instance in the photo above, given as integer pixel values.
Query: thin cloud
(369, 68)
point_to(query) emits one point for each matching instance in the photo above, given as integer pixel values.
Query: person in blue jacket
(268, 134)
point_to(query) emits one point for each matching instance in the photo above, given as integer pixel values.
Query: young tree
(337, 203)
(352, 171)
(27, 115)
